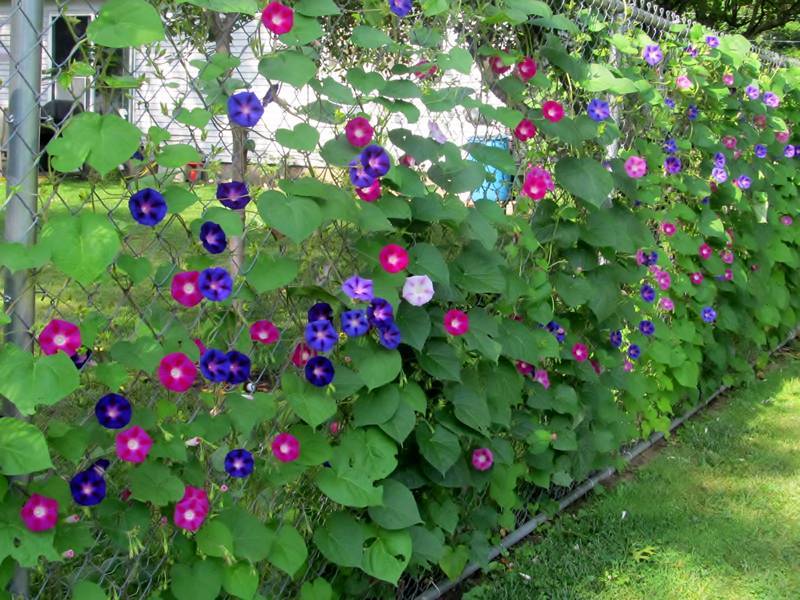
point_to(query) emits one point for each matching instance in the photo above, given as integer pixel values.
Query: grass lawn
(714, 515)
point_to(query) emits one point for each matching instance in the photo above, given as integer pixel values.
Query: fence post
(22, 186)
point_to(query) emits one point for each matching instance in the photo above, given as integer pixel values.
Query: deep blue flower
(389, 334)
(148, 207)
(669, 103)
(215, 366)
(598, 110)
(615, 338)
(88, 487)
(672, 165)
(233, 194)
(647, 327)
(401, 7)
(321, 310)
(359, 176)
(319, 371)
(113, 411)
(651, 258)
(648, 293)
(670, 146)
(760, 150)
(215, 284)
(79, 359)
(213, 237)
(379, 311)
(239, 463)
(321, 335)
(355, 323)
(634, 351)
(245, 109)
(375, 160)
(239, 367)
(709, 314)
(692, 112)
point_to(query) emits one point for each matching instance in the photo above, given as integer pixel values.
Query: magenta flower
(358, 288)
(705, 251)
(782, 136)
(264, 332)
(786, 220)
(666, 304)
(525, 130)
(730, 143)
(393, 258)
(177, 372)
(668, 228)
(370, 193)
(301, 355)
(523, 368)
(727, 257)
(482, 459)
(696, 278)
(215, 284)
(683, 82)
(534, 186)
(186, 288)
(580, 352)
(278, 18)
(636, 167)
(286, 447)
(727, 79)
(526, 69)
(418, 290)
(663, 280)
(456, 322)
(133, 444)
(190, 514)
(431, 69)
(39, 513)
(245, 109)
(552, 111)
(233, 194)
(498, 66)
(375, 161)
(60, 335)
(358, 132)
(407, 160)
(542, 377)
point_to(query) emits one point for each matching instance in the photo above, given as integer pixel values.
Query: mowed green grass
(714, 516)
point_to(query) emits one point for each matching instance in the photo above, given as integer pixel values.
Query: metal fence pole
(22, 187)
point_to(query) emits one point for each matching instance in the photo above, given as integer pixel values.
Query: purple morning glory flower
(709, 314)
(719, 160)
(760, 150)
(691, 51)
(355, 323)
(233, 194)
(239, 463)
(788, 151)
(669, 103)
(712, 41)
(213, 237)
(556, 330)
(752, 92)
(672, 165)
(215, 365)
(652, 54)
(634, 351)
(647, 327)
(240, 367)
(359, 176)
(400, 7)
(245, 109)
(719, 175)
(321, 310)
(380, 311)
(436, 133)
(321, 335)
(648, 293)
(113, 411)
(670, 146)
(358, 288)
(615, 338)
(389, 335)
(743, 182)
(771, 100)
(319, 371)
(88, 488)
(375, 160)
(271, 94)
(79, 359)
(215, 284)
(692, 112)
(147, 207)
(598, 110)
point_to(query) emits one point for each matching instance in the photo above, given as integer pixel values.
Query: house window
(67, 32)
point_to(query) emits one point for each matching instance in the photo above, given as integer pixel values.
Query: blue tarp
(497, 185)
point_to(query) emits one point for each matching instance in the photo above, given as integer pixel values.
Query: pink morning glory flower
(580, 352)
(60, 335)
(552, 111)
(664, 280)
(358, 132)
(668, 228)
(782, 136)
(727, 79)
(705, 251)
(727, 257)
(301, 355)
(192, 509)
(286, 447)
(264, 332)
(636, 167)
(786, 220)
(482, 459)
(371, 192)
(133, 444)
(729, 142)
(537, 183)
(523, 368)
(542, 377)
(525, 130)
(177, 372)
(456, 322)
(430, 69)
(683, 82)
(393, 258)
(666, 304)
(696, 278)
(526, 68)
(418, 290)
(185, 288)
(39, 513)
(278, 18)
(498, 66)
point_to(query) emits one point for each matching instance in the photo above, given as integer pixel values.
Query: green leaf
(214, 539)
(240, 580)
(138, 269)
(304, 31)
(200, 581)
(295, 217)
(402, 89)
(431, 8)
(457, 176)
(482, 329)
(375, 365)
(16, 257)
(388, 555)
(154, 482)
(469, 403)
(494, 157)
(248, 7)
(453, 561)
(252, 540)
(126, 23)
(369, 37)
(246, 413)
(291, 67)
(338, 152)
(341, 539)
(521, 342)
(229, 220)
(400, 426)
(376, 407)
(350, 488)
(319, 589)
(197, 117)
(88, 590)
(440, 360)
(439, 447)
(27, 381)
(414, 324)
(399, 509)
(317, 8)
(23, 448)
(103, 141)
(93, 245)
(174, 156)
(425, 259)
(312, 404)
(585, 178)
(303, 137)
(272, 272)
(288, 551)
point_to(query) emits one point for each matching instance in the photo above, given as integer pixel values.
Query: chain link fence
(49, 72)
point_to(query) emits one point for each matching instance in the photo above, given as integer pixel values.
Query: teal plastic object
(497, 185)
